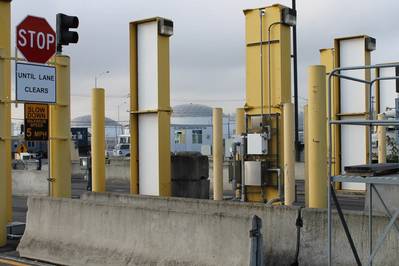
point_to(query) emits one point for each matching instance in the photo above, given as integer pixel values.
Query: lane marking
(12, 262)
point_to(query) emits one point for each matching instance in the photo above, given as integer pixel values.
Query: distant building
(81, 128)
(191, 128)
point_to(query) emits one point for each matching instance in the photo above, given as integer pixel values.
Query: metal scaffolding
(370, 181)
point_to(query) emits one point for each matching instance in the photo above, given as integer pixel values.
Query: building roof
(85, 121)
(192, 110)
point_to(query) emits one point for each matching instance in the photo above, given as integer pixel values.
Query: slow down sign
(35, 83)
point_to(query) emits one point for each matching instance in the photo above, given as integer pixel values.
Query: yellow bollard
(217, 118)
(317, 137)
(240, 121)
(306, 141)
(5, 44)
(98, 140)
(382, 141)
(60, 132)
(289, 154)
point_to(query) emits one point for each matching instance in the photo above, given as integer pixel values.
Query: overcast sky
(207, 48)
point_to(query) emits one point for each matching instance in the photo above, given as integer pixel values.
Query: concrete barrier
(30, 182)
(129, 230)
(314, 239)
(118, 169)
(121, 229)
(389, 193)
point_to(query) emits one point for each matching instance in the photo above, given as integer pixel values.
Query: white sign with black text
(35, 83)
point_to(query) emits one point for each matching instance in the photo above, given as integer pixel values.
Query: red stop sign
(36, 39)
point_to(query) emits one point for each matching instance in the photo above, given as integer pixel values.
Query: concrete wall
(120, 229)
(118, 169)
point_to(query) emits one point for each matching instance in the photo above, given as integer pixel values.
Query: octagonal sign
(36, 39)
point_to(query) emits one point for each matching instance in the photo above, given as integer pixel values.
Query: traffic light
(64, 35)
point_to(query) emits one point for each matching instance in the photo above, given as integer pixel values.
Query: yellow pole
(382, 141)
(240, 121)
(217, 153)
(3, 155)
(317, 137)
(289, 154)
(60, 132)
(98, 140)
(306, 140)
(5, 44)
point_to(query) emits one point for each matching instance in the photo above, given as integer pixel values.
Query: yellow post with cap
(98, 140)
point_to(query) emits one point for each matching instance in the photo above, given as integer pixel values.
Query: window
(197, 136)
(125, 147)
(180, 137)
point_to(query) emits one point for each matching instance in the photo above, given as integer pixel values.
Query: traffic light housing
(64, 35)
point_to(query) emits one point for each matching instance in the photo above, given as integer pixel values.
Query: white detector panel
(147, 61)
(353, 97)
(387, 89)
(147, 74)
(353, 150)
(148, 155)
(353, 94)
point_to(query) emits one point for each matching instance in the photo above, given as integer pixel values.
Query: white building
(191, 128)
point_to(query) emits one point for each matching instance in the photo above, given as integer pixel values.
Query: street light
(99, 75)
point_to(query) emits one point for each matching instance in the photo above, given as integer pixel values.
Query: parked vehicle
(122, 150)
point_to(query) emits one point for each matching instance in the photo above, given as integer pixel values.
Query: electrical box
(257, 144)
(253, 173)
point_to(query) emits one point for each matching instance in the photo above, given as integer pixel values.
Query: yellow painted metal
(306, 140)
(317, 136)
(327, 59)
(134, 151)
(165, 180)
(217, 153)
(280, 48)
(163, 111)
(289, 154)
(98, 139)
(3, 154)
(260, 194)
(5, 45)
(280, 80)
(240, 121)
(382, 141)
(60, 132)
